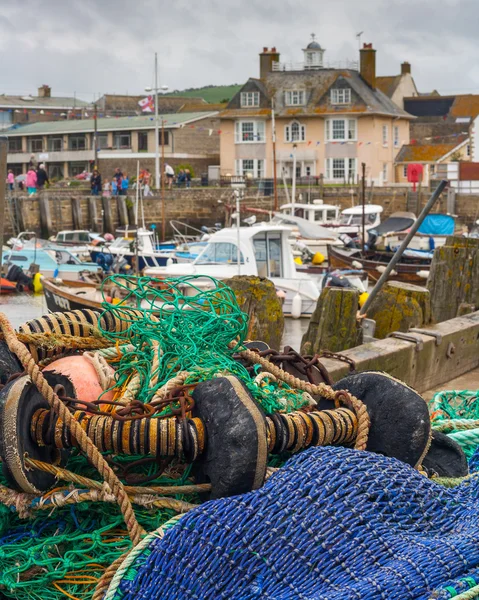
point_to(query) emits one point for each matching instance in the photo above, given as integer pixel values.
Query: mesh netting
(456, 413)
(333, 524)
(185, 324)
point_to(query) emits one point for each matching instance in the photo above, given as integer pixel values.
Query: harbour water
(23, 307)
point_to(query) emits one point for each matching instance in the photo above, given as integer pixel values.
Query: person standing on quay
(170, 173)
(42, 177)
(125, 182)
(95, 183)
(10, 180)
(31, 181)
(188, 177)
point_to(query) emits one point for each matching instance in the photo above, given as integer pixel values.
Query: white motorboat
(351, 219)
(262, 250)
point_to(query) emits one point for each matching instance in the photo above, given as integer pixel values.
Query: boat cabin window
(299, 212)
(220, 253)
(17, 258)
(268, 254)
(357, 219)
(65, 258)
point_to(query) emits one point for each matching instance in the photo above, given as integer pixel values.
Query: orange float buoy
(80, 372)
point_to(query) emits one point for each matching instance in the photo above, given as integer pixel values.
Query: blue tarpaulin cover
(437, 225)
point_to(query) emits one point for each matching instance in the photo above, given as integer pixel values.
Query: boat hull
(411, 272)
(62, 298)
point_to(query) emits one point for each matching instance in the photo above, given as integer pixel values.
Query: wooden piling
(93, 213)
(77, 217)
(454, 277)
(122, 210)
(107, 216)
(398, 307)
(333, 325)
(46, 229)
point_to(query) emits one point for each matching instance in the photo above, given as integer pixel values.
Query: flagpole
(157, 132)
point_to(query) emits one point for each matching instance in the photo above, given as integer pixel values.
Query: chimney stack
(266, 60)
(405, 68)
(45, 91)
(368, 65)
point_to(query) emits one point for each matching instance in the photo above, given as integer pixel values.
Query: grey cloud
(93, 46)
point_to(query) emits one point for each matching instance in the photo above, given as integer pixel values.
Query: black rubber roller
(236, 449)
(9, 363)
(445, 458)
(19, 400)
(400, 426)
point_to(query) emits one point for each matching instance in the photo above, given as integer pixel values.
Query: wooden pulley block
(236, 450)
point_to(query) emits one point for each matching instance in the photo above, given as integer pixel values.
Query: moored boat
(413, 268)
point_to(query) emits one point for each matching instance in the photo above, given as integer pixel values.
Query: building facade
(19, 110)
(328, 120)
(399, 87)
(68, 148)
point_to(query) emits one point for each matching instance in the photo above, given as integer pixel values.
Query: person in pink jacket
(31, 181)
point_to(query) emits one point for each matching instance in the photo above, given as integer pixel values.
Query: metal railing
(302, 66)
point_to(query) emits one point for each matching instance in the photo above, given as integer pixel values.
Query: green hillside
(210, 93)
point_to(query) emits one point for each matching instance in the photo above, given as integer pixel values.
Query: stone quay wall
(55, 210)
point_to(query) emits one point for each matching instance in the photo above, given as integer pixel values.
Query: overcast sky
(95, 46)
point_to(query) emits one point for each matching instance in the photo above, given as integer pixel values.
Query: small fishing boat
(262, 250)
(7, 287)
(62, 296)
(51, 262)
(432, 233)
(351, 219)
(413, 268)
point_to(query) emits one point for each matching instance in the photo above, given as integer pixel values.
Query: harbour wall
(54, 210)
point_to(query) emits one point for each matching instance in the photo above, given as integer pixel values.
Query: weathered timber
(46, 229)
(465, 309)
(77, 217)
(19, 208)
(454, 278)
(92, 213)
(257, 297)
(333, 325)
(398, 307)
(456, 354)
(107, 215)
(122, 210)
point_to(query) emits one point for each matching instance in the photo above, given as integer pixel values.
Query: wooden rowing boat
(410, 269)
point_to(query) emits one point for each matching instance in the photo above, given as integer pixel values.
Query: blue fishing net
(332, 524)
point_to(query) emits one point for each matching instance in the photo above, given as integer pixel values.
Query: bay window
(341, 130)
(249, 131)
(250, 167)
(341, 169)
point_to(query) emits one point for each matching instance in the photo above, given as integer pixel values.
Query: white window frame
(349, 169)
(385, 135)
(385, 173)
(404, 170)
(256, 136)
(468, 149)
(299, 137)
(341, 96)
(257, 168)
(294, 97)
(350, 130)
(249, 99)
(396, 136)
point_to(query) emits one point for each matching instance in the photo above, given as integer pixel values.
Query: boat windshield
(357, 219)
(219, 253)
(63, 257)
(121, 243)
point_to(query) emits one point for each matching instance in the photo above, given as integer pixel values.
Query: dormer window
(295, 132)
(249, 99)
(341, 96)
(295, 98)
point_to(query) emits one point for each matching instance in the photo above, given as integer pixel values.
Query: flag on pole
(147, 104)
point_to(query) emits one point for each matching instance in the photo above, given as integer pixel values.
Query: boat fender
(169, 261)
(19, 400)
(445, 458)
(79, 378)
(423, 274)
(9, 363)
(37, 283)
(380, 269)
(356, 264)
(400, 425)
(298, 260)
(362, 299)
(296, 306)
(318, 258)
(236, 453)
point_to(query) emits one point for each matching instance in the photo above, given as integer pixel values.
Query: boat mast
(275, 181)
